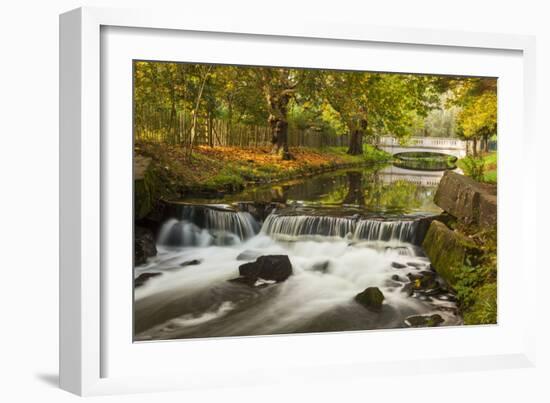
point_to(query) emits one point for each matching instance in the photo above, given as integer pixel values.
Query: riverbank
(165, 171)
(463, 247)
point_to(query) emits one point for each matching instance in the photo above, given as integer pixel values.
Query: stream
(343, 231)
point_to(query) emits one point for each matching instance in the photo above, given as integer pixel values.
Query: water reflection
(381, 189)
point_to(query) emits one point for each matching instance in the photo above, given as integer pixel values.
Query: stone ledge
(470, 202)
(449, 251)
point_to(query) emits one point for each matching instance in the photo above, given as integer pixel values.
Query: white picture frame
(87, 178)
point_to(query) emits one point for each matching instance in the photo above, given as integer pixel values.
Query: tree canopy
(190, 104)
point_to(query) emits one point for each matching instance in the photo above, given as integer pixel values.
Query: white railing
(430, 142)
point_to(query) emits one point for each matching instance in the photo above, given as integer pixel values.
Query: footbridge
(440, 145)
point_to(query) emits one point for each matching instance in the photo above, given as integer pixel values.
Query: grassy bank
(482, 168)
(230, 169)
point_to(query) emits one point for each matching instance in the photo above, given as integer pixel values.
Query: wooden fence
(175, 128)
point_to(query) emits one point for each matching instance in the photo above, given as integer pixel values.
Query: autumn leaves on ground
(231, 168)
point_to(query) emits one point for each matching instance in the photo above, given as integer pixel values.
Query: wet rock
(144, 245)
(408, 289)
(371, 298)
(269, 267)
(449, 251)
(425, 283)
(321, 267)
(249, 255)
(424, 320)
(193, 262)
(395, 277)
(143, 277)
(417, 265)
(396, 265)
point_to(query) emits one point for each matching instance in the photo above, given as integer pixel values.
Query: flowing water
(343, 231)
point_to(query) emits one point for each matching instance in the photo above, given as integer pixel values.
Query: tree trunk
(210, 134)
(279, 138)
(356, 142)
(196, 111)
(486, 143)
(474, 146)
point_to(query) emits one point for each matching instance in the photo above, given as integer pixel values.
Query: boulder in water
(371, 299)
(321, 267)
(424, 320)
(395, 277)
(396, 265)
(144, 245)
(193, 262)
(425, 280)
(143, 277)
(269, 267)
(408, 289)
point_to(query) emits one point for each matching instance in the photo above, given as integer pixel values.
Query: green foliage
(190, 104)
(473, 167)
(477, 100)
(476, 285)
(484, 308)
(468, 279)
(378, 103)
(480, 168)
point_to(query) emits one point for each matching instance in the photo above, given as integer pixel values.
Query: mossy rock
(424, 320)
(371, 299)
(449, 251)
(148, 187)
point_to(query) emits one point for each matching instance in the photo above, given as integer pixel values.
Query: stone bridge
(440, 145)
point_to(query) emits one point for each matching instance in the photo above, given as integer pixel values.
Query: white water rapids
(333, 259)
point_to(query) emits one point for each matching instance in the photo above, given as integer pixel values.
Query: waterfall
(239, 223)
(375, 230)
(354, 228)
(203, 225)
(308, 225)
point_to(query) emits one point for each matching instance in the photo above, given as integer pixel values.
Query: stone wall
(474, 206)
(472, 203)
(449, 251)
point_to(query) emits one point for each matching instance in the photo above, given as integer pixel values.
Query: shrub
(474, 167)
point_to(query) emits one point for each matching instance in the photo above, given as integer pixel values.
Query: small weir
(203, 225)
(288, 227)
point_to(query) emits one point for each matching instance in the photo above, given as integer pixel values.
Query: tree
(279, 87)
(374, 103)
(477, 119)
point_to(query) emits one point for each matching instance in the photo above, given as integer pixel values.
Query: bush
(474, 167)
(476, 292)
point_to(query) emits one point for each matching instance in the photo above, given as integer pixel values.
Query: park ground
(231, 168)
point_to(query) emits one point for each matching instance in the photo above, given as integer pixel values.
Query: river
(343, 231)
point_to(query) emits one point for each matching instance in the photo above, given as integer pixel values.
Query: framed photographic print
(254, 201)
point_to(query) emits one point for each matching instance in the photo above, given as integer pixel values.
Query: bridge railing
(431, 142)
